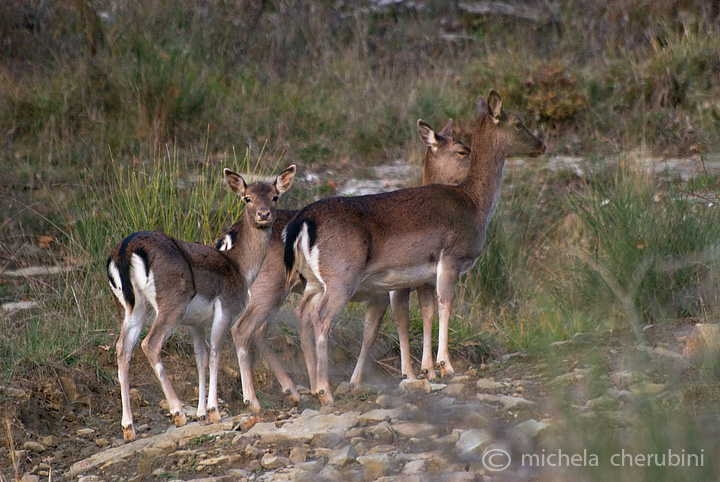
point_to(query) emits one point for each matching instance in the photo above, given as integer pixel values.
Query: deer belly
(398, 278)
(200, 311)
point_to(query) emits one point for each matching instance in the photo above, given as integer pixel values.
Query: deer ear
(428, 135)
(481, 107)
(494, 105)
(285, 179)
(235, 182)
(447, 128)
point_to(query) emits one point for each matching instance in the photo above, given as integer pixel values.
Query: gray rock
(531, 428)
(472, 442)
(488, 384)
(272, 461)
(342, 456)
(416, 387)
(375, 465)
(454, 389)
(326, 439)
(303, 428)
(298, 455)
(380, 415)
(330, 473)
(34, 447)
(408, 429)
(382, 433)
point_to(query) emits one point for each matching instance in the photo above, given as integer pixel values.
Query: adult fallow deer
(193, 285)
(407, 238)
(446, 162)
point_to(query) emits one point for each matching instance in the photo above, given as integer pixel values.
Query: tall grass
(651, 251)
(175, 195)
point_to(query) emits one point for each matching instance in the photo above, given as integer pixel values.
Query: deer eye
(275, 198)
(517, 125)
(247, 199)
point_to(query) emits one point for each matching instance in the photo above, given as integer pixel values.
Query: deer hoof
(129, 433)
(405, 376)
(213, 415)
(180, 419)
(246, 402)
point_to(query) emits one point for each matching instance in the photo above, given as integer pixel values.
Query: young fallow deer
(446, 162)
(402, 239)
(190, 284)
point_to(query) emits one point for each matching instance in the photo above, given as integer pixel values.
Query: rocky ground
(473, 427)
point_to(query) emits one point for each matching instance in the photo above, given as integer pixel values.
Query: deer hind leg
(286, 384)
(447, 276)
(400, 303)
(166, 322)
(426, 300)
(221, 322)
(374, 311)
(130, 331)
(201, 361)
(332, 304)
(303, 315)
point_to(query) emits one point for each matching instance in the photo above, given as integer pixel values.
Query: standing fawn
(446, 162)
(402, 239)
(193, 285)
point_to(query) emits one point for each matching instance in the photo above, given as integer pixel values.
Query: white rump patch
(116, 285)
(310, 256)
(143, 284)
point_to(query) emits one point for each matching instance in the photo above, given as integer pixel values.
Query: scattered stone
(416, 387)
(326, 439)
(30, 478)
(488, 384)
(408, 429)
(380, 415)
(85, 432)
(388, 401)
(298, 455)
(102, 442)
(532, 428)
(375, 465)
(49, 441)
(515, 402)
(271, 461)
(472, 442)
(436, 387)
(12, 392)
(343, 456)
(416, 467)
(329, 473)
(34, 447)
(382, 433)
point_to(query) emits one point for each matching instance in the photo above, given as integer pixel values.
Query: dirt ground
(72, 412)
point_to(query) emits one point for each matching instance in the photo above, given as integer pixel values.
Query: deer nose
(263, 214)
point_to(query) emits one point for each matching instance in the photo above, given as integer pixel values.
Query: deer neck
(249, 251)
(487, 159)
